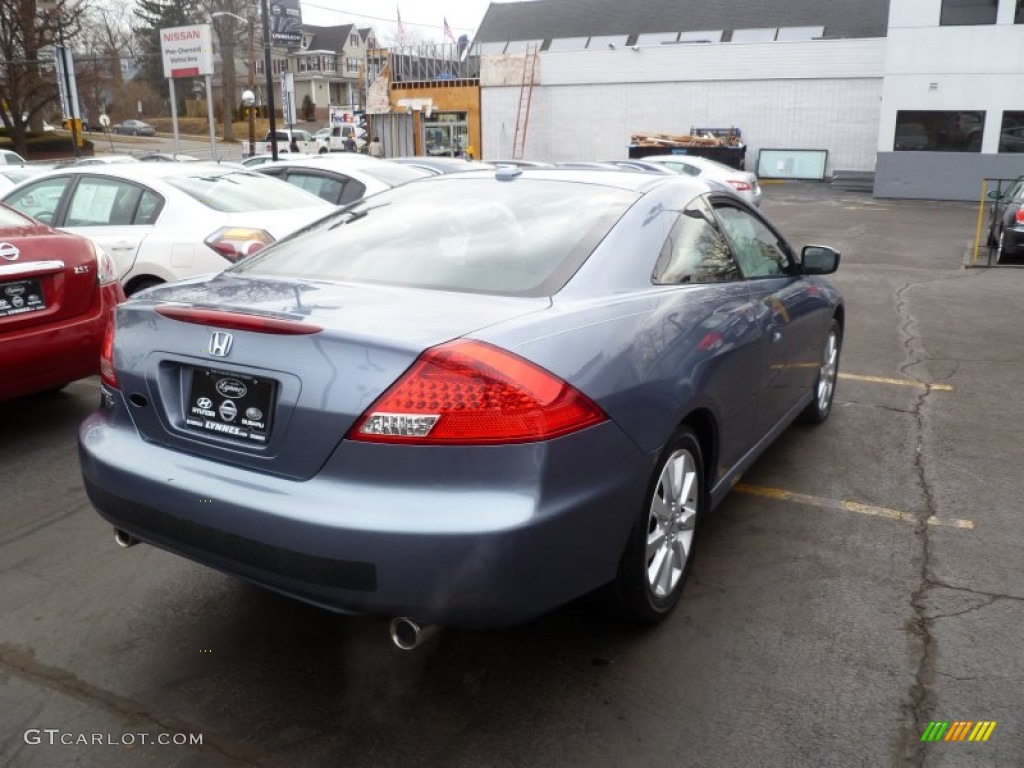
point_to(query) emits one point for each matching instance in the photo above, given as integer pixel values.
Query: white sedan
(343, 178)
(743, 183)
(166, 221)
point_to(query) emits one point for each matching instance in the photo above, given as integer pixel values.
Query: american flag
(401, 27)
(448, 31)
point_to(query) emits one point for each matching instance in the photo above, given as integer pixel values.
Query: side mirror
(819, 260)
(994, 195)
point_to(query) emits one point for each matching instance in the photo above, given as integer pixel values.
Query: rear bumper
(51, 355)
(454, 536)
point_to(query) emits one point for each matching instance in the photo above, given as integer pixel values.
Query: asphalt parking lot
(864, 580)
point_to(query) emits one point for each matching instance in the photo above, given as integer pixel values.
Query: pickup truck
(307, 144)
(334, 137)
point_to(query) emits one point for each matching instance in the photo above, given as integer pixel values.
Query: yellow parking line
(847, 506)
(897, 382)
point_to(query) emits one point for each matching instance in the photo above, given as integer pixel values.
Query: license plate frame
(231, 404)
(20, 297)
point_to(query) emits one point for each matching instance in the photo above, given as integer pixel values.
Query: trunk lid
(280, 402)
(45, 277)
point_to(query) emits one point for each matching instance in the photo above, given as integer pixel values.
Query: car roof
(446, 164)
(638, 182)
(339, 160)
(143, 172)
(702, 162)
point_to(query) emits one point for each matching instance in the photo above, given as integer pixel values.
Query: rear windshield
(239, 191)
(520, 238)
(394, 174)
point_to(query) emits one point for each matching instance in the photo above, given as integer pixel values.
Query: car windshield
(522, 238)
(394, 174)
(239, 191)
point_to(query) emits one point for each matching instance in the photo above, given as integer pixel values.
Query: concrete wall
(805, 95)
(595, 122)
(941, 175)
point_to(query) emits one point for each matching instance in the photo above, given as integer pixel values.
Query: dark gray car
(467, 400)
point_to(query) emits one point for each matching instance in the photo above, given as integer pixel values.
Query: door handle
(122, 246)
(774, 333)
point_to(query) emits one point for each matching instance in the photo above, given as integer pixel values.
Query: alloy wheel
(671, 522)
(829, 369)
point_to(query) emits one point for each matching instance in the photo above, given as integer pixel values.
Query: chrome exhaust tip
(124, 539)
(408, 634)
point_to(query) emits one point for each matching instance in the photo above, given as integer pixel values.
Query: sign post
(288, 98)
(188, 52)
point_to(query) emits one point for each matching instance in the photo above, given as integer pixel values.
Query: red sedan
(56, 295)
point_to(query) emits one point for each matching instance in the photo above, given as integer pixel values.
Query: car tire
(659, 553)
(825, 384)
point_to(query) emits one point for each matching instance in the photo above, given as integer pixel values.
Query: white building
(952, 98)
(790, 75)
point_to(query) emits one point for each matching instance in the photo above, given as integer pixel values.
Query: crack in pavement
(919, 703)
(24, 666)
(881, 407)
(954, 588)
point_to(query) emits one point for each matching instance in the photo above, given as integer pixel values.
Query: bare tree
(107, 40)
(229, 30)
(28, 85)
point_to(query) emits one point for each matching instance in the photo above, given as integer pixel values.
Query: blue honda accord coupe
(469, 399)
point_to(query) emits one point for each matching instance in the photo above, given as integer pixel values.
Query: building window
(918, 130)
(352, 65)
(353, 39)
(968, 12)
(1019, 18)
(1011, 135)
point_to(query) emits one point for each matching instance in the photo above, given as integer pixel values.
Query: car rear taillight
(238, 321)
(104, 266)
(742, 186)
(236, 243)
(107, 355)
(471, 393)
(1019, 216)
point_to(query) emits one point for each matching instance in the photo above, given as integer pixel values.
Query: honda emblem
(220, 344)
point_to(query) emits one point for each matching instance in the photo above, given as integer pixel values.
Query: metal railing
(991, 205)
(434, 62)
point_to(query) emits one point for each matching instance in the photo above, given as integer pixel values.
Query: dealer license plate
(230, 404)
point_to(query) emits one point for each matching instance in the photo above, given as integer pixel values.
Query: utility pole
(265, 13)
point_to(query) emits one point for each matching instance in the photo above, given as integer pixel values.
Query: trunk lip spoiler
(234, 319)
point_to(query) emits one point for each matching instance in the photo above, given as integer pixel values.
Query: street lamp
(248, 101)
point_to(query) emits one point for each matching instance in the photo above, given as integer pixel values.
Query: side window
(684, 168)
(149, 208)
(101, 202)
(354, 190)
(40, 200)
(757, 248)
(695, 251)
(325, 187)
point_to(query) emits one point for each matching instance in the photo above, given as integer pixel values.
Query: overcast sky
(422, 18)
